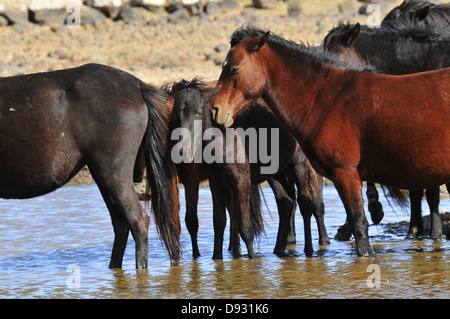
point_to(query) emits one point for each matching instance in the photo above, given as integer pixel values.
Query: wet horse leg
(234, 244)
(191, 188)
(374, 205)
(349, 188)
(415, 222)
(284, 192)
(219, 195)
(316, 193)
(310, 200)
(432, 196)
(126, 212)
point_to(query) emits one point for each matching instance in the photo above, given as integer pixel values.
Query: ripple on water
(43, 237)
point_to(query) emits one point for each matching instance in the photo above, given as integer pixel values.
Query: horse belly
(36, 165)
(408, 165)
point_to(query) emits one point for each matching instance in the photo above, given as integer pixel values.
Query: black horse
(52, 124)
(397, 52)
(236, 184)
(418, 14)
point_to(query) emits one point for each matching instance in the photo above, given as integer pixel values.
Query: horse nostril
(214, 112)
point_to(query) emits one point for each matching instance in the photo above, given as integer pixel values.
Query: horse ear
(421, 14)
(260, 42)
(351, 35)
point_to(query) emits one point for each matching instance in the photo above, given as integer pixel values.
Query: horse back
(51, 124)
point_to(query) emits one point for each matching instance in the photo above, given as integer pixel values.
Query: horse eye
(235, 69)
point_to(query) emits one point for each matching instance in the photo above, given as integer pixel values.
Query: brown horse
(230, 180)
(353, 125)
(54, 123)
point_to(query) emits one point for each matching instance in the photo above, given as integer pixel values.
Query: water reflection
(41, 237)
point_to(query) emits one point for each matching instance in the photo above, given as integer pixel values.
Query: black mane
(196, 83)
(314, 52)
(407, 50)
(405, 16)
(419, 35)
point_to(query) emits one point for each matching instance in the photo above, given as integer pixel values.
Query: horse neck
(293, 85)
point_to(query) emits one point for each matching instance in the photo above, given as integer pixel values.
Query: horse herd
(370, 104)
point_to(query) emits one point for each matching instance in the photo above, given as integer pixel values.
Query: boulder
(104, 3)
(212, 8)
(145, 3)
(132, 14)
(48, 16)
(15, 17)
(89, 15)
(265, 4)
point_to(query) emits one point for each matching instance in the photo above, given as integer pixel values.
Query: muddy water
(58, 246)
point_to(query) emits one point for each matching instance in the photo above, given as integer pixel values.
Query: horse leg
(240, 212)
(432, 196)
(348, 185)
(344, 232)
(415, 222)
(234, 244)
(191, 195)
(219, 195)
(285, 197)
(315, 191)
(374, 205)
(126, 213)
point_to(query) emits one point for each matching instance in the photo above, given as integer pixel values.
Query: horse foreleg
(191, 195)
(219, 195)
(348, 185)
(432, 196)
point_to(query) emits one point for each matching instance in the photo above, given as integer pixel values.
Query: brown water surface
(58, 246)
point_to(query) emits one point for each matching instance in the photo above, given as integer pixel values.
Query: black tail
(161, 171)
(397, 194)
(255, 211)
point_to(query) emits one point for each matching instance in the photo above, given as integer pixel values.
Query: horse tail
(255, 211)
(399, 197)
(161, 171)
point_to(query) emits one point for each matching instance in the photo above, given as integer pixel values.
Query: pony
(353, 125)
(396, 52)
(52, 124)
(413, 14)
(230, 182)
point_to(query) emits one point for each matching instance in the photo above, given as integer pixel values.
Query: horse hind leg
(284, 192)
(415, 222)
(374, 205)
(126, 213)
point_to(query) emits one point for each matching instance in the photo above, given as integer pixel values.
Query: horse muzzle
(221, 117)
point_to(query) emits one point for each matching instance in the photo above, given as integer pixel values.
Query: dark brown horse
(396, 52)
(418, 14)
(231, 180)
(52, 124)
(353, 125)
